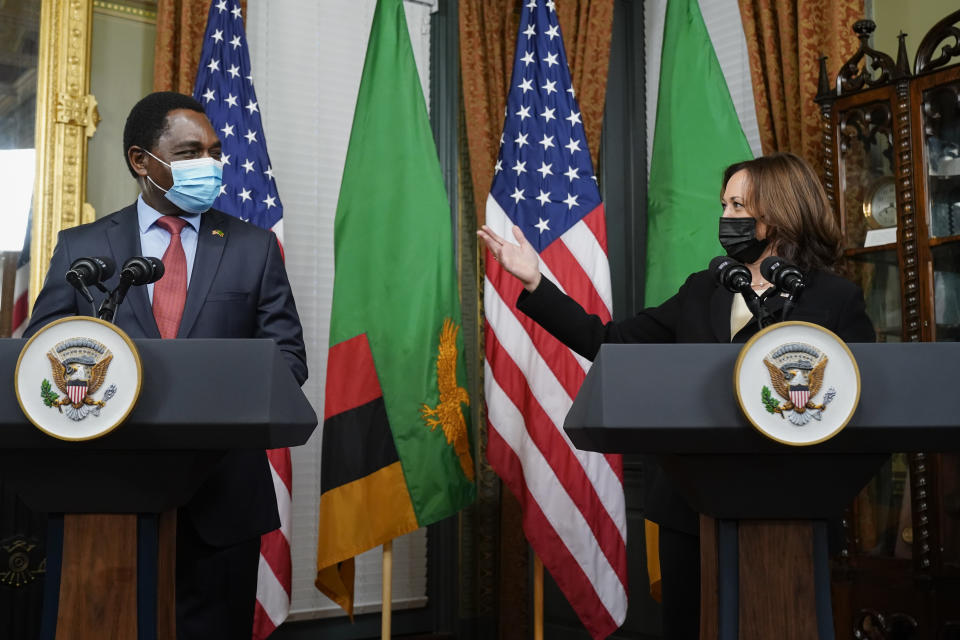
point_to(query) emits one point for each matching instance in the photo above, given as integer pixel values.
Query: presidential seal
(796, 373)
(78, 367)
(78, 378)
(797, 383)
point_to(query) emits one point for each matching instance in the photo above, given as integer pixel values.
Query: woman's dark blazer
(699, 312)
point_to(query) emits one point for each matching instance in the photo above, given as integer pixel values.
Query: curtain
(785, 39)
(488, 34)
(176, 54)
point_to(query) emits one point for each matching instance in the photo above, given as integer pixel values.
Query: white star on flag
(258, 203)
(574, 514)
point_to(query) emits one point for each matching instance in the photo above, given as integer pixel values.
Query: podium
(199, 399)
(763, 505)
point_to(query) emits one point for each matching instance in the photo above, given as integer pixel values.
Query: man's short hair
(148, 120)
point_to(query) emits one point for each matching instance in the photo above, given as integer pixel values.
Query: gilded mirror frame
(66, 117)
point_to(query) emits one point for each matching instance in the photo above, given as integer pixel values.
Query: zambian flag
(397, 443)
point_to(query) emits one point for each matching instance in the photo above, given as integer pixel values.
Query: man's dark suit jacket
(699, 312)
(238, 289)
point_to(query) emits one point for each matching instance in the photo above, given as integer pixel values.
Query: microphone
(785, 277)
(731, 274)
(735, 277)
(140, 270)
(782, 275)
(90, 271)
(136, 271)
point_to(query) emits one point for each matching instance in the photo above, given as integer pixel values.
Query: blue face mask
(196, 183)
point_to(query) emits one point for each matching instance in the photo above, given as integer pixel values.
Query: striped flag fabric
(572, 501)
(21, 287)
(224, 86)
(397, 444)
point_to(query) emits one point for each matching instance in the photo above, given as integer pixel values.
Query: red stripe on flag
(574, 280)
(19, 310)
(556, 557)
(596, 222)
(351, 376)
(262, 624)
(276, 551)
(558, 356)
(558, 455)
(280, 461)
(615, 460)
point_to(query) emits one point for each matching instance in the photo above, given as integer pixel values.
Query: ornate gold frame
(66, 117)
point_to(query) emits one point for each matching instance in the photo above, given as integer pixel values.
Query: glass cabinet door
(882, 512)
(868, 192)
(877, 274)
(868, 212)
(941, 157)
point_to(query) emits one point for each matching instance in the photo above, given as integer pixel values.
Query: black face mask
(738, 236)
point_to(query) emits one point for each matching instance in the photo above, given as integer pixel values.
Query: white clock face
(883, 206)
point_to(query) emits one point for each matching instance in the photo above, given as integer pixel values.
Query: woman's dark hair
(784, 193)
(148, 120)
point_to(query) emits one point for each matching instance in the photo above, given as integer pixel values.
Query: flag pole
(386, 589)
(537, 598)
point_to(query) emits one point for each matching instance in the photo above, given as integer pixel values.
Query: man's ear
(137, 158)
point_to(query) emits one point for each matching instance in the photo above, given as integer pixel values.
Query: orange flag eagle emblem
(448, 414)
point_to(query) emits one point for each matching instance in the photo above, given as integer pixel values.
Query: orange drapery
(785, 39)
(488, 34)
(176, 54)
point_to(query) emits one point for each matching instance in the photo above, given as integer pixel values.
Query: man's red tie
(170, 291)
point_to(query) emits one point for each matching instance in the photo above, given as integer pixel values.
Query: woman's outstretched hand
(520, 260)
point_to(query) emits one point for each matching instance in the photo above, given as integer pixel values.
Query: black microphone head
(158, 268)
(141, 270)
(730, 274)
(770, 266)
(782, 274)
(719, 265)
(90, 271)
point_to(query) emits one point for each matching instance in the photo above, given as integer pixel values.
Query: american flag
(573, 506)
(224, 86)
(21, 286)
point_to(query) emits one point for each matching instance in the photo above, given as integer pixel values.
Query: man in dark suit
(224, 279)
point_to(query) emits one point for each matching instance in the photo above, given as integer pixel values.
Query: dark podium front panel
(199, 400)
(765, 554)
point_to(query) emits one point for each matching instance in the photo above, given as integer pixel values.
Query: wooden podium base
(109, 579)
(764, 579)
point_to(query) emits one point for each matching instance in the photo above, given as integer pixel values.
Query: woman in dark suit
(773, 205)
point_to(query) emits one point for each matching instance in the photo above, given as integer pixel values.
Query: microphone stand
(753, 303)
(108, 308)
(77, 283)
(791, 300)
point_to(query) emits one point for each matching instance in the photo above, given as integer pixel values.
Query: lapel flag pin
(217, 232)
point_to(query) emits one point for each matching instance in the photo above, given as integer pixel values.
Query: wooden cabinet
(891, 132)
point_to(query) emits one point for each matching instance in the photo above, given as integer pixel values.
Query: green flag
(697, 135)
(397, 440)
